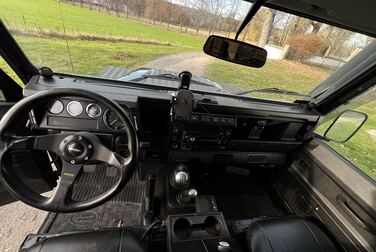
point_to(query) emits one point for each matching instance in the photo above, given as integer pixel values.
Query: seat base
(104, 240)
(287, 234)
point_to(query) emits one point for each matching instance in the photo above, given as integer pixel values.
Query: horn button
(76, 149)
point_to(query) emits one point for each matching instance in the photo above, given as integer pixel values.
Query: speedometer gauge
(93, 110)
(112, 121)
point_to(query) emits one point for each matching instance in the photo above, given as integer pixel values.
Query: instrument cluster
(92, 115)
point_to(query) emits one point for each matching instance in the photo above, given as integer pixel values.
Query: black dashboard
(221, 128)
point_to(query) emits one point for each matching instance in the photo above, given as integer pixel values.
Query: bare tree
(197, 13)
(182, 15)
(169, 13)
(214, 9)
(231, 22)
(267, 28)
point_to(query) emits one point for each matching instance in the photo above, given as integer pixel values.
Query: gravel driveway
(17, 220)
(195, 62)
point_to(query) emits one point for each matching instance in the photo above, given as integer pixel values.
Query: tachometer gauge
(74, 108)
(55, 107)
(112, 121)
(93, 110)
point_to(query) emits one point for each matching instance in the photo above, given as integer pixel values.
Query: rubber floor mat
(108, 215)
(124, 210)
(95, 180)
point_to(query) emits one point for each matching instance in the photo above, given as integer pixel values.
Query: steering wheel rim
(59, 142)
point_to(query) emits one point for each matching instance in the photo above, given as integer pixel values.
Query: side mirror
(235, 51)
(345, 126)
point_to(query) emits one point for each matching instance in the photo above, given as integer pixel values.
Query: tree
(215, 9)
(267, 28)
(304, 46)
(230, 22)
(197, 13)
(169, 13)
(182, 15)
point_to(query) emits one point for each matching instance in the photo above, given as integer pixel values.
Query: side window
(360, 149)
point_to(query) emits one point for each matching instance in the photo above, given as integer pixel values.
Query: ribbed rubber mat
(108, 215)
(124, 210)
(294, 194)
(101, 178)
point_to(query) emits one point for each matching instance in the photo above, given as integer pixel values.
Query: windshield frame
(20, 63)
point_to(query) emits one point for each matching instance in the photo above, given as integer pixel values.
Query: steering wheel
(74, 149)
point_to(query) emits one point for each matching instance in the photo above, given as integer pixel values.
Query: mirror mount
(251, 13)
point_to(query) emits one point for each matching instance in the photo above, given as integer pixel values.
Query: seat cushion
(287, 234)
(104, 240)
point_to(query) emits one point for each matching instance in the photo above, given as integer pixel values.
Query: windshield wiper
(167, 76)
(156, 76)
(273, 91)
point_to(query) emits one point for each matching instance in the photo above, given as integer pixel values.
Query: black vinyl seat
(119, 240)
(287, 234)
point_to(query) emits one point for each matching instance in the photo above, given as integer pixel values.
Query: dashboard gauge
(74, 108)
(112, 121)
(55, 107)
(93, 110)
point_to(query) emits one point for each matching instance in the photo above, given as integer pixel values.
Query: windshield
(112, 38)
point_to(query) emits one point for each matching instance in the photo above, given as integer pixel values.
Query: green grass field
(90, 57)
(41, 17)
(274, 73)
(45, 15)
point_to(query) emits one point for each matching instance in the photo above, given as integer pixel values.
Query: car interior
(147, 168)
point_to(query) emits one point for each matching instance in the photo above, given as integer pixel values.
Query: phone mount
(182, 102)
(185, 80)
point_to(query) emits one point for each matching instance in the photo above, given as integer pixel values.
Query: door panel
(344, 197)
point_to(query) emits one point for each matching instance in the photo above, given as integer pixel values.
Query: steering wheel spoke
(42, 142)
(62, 195)
(103, 154)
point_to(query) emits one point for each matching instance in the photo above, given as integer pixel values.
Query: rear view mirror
(235, 51)
(345, 126)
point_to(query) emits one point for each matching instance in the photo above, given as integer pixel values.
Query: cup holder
(184, 228)
(212, 226)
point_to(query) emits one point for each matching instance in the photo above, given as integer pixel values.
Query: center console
(199, 232)
(194, 222)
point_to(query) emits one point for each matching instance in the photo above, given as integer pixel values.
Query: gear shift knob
(179, 177)
(192, 193)
(187, 196)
